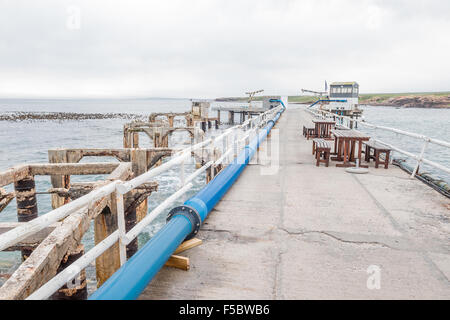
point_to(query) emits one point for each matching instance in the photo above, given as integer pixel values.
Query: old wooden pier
(287, 228)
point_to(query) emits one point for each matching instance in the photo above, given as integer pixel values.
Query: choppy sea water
(28, 142)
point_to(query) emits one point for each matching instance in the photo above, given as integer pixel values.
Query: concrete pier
(312, 232)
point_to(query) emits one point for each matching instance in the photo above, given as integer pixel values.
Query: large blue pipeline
(327, 100)
(184, 222)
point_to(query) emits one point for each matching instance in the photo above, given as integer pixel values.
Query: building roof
(348, 83)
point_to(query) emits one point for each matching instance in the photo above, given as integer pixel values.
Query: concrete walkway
(312, 232)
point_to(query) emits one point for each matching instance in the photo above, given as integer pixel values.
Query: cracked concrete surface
(312, 233)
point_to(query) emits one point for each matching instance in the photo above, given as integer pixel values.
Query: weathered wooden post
(25, 191)
(58, 181)
(63, 181)
(126, 136)
(156, 139)
(135, 139)
(139, 166)
(105, 224)
(171, 118)
(231, 117)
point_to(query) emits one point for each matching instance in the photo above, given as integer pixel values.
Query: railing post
(419, 160)
(182, 175)
(213, 151)
(121, 227)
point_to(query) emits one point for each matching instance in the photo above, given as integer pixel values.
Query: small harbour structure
(342, 99)
(285, 231)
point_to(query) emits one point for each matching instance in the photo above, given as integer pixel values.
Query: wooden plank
(121, 172)
(139, 166)
(105, 224)
(73, 168)
(5, 198)
(178, 262)
(13, 174)
(188, 244)
(44, 261)
(30, 242)
(58, 181)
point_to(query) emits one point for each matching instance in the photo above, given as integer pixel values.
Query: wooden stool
(378, 149)
(321, 148)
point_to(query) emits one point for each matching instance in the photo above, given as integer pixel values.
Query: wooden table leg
(377, 158)
(359, 155)
(345, 158)
(352, 150)
(339, 143)
(386, 163)
(367, 154)
(335, 145)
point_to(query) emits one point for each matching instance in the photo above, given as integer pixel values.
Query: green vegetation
(378, 97)
(303, 99)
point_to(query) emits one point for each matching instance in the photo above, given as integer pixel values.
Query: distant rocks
(66, 116)
(411, 101)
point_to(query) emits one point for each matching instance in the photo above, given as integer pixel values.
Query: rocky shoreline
(419, 101)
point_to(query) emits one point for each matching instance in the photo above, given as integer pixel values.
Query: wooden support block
(188, 245)
(178, 262)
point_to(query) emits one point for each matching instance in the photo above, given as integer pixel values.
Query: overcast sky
(210, 48)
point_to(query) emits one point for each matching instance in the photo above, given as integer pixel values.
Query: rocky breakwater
(65, 116)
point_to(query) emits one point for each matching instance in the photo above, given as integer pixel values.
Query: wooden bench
(310, 132)
(321, 148)
(378, 149)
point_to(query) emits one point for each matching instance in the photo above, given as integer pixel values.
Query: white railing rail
(418, 158)
(120, 188)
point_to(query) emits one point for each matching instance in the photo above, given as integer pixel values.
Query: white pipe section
(74, 269)
(17, 234)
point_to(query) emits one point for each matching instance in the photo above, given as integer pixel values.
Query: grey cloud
(217, 48)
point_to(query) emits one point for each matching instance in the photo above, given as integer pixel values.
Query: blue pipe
(132, 278)
(327, 100)
(278, 100)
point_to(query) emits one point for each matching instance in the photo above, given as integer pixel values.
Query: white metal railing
(120, 188)
(418, 158)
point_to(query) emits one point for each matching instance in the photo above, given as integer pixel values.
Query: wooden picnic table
(345, 144)
(323, 128)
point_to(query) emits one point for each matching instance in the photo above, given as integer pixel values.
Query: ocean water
(434, 123)
(28, 142)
